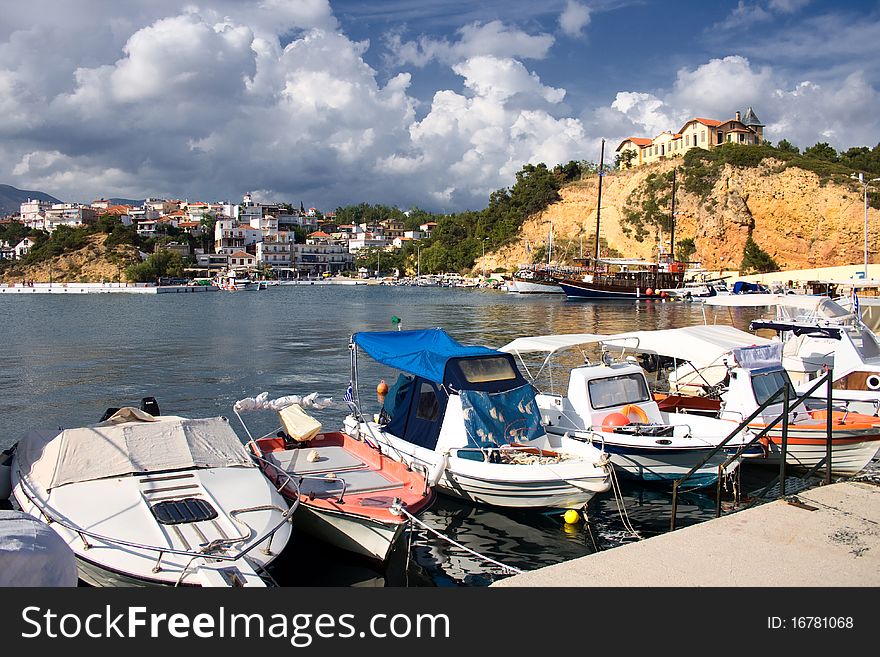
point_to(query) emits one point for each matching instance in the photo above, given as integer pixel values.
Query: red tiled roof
(241, 254)
(319, 233)
(712, 123)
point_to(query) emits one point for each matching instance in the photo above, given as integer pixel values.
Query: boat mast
(599, 202)
(672, 228)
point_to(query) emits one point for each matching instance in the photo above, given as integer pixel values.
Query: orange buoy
(649, 292)
(614, 420)
(381, 390)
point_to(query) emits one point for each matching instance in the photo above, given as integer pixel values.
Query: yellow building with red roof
(695, 133)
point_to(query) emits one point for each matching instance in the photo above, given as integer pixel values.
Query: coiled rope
(398, 509)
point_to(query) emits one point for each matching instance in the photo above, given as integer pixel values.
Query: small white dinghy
(144, 500)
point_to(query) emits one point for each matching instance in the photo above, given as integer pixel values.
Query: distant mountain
(127, 201)
(11, 199)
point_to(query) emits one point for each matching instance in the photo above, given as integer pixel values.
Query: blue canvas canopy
(423, 353)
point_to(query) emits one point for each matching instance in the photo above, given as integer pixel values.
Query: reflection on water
(66, 359)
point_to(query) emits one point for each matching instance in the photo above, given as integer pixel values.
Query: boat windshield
(865, 343)
(482, 370)
(618, 391)
(766, 384)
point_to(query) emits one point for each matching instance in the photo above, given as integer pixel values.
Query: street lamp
(418, 262)
(483, 244)
(865, 184)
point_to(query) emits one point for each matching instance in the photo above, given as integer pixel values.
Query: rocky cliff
(798, 219)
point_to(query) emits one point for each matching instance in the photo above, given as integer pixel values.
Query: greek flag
(855, 304)
(348, 397)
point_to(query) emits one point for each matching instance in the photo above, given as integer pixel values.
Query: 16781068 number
(810, 623)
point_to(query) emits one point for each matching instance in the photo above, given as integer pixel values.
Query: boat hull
(566, 485)
(586, 293)
(521, 286)
(806, 449)
(367, 537)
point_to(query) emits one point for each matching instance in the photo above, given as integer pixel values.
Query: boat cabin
(757, 375)
(598, 394)
(450, 396)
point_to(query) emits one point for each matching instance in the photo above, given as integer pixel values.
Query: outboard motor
(151, 406)
(108, 414)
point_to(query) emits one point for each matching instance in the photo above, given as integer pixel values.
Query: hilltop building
(695, 133)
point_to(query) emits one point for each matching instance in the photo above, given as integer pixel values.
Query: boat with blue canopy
(466, 417)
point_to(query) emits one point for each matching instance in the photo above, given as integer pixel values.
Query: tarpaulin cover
(104, 450)
(32, 554)
(423, 352)
(501, 418)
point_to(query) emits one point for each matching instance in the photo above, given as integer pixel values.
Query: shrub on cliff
(756, 260)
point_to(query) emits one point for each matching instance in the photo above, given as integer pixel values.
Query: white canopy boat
(817, 333)
(610, 406)
(754, 373)
(467, 418)
(145, 500)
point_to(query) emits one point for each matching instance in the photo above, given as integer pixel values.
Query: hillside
(91, 264)
(798, 218)
(11, 198)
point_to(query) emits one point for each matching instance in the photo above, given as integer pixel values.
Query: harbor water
(65, 360)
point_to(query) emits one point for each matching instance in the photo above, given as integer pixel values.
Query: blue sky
(403, 102)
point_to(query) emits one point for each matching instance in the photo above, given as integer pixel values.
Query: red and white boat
(349, 492)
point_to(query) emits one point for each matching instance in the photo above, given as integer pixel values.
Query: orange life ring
(639, 412)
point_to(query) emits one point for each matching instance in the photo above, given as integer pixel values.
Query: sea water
(65, 360)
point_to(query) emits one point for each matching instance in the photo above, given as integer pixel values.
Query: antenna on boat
(599, 202)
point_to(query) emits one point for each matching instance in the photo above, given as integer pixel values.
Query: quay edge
(830, 537)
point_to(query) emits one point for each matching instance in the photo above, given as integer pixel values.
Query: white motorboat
(467, 418)
(147, 500)
(753, 375)
(818, 333)
(610, 406)
(347, 490)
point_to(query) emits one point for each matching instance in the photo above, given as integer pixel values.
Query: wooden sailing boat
(623, 279)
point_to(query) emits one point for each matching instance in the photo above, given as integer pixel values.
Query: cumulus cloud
(476, 39)
(841, 112)
(226, 96)
(574, 18)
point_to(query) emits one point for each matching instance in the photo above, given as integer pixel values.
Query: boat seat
(330, 459)
(356, 481)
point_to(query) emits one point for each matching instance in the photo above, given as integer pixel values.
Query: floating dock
(103, 288)
(826, 536)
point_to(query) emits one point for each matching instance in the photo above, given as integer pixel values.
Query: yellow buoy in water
(572, 517)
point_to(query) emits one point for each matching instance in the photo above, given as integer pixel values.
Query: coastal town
(246, 236)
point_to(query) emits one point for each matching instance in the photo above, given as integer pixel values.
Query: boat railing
(210, 549)
(783, 417)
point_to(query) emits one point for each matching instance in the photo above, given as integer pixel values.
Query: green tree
(685, 248)
(161, 263)
(625, 158)
(756, 260)
(787, 147)
(821, 151)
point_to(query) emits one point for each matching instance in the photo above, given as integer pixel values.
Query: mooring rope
(399, 510)
(621, 507)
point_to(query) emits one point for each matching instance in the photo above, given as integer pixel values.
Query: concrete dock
(826, 536)
(103, 288)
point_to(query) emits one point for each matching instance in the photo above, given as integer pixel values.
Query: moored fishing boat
(736, 373)
(154, 500)
(466, 417)
(347, 489)
(610, 406)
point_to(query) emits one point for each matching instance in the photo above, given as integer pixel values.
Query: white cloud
(476, 39)
(574, 18)
(841, 112)
(788, 6)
